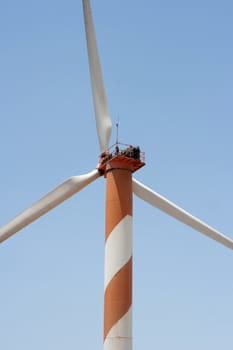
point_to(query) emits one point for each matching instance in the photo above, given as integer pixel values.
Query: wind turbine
(117, 167)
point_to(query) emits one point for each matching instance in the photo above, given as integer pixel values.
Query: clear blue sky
(168, 70)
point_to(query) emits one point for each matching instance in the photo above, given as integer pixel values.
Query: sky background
(168, 75)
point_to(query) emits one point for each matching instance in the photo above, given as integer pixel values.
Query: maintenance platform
(130, 158)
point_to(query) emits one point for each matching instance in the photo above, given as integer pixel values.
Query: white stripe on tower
(120, 240)
(118, 258)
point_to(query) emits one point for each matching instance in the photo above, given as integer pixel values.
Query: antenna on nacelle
(117, 130)
(117, 134)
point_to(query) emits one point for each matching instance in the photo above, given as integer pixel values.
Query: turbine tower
(116, 166)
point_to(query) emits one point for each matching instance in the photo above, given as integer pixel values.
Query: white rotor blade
(103, 121)
(48, 202)
(180, 214)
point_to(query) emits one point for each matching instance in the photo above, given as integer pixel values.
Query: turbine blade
(103, 121)
(180, 214)
(46, 203)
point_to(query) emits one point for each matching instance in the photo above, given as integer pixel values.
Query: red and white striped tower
(118, 253)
